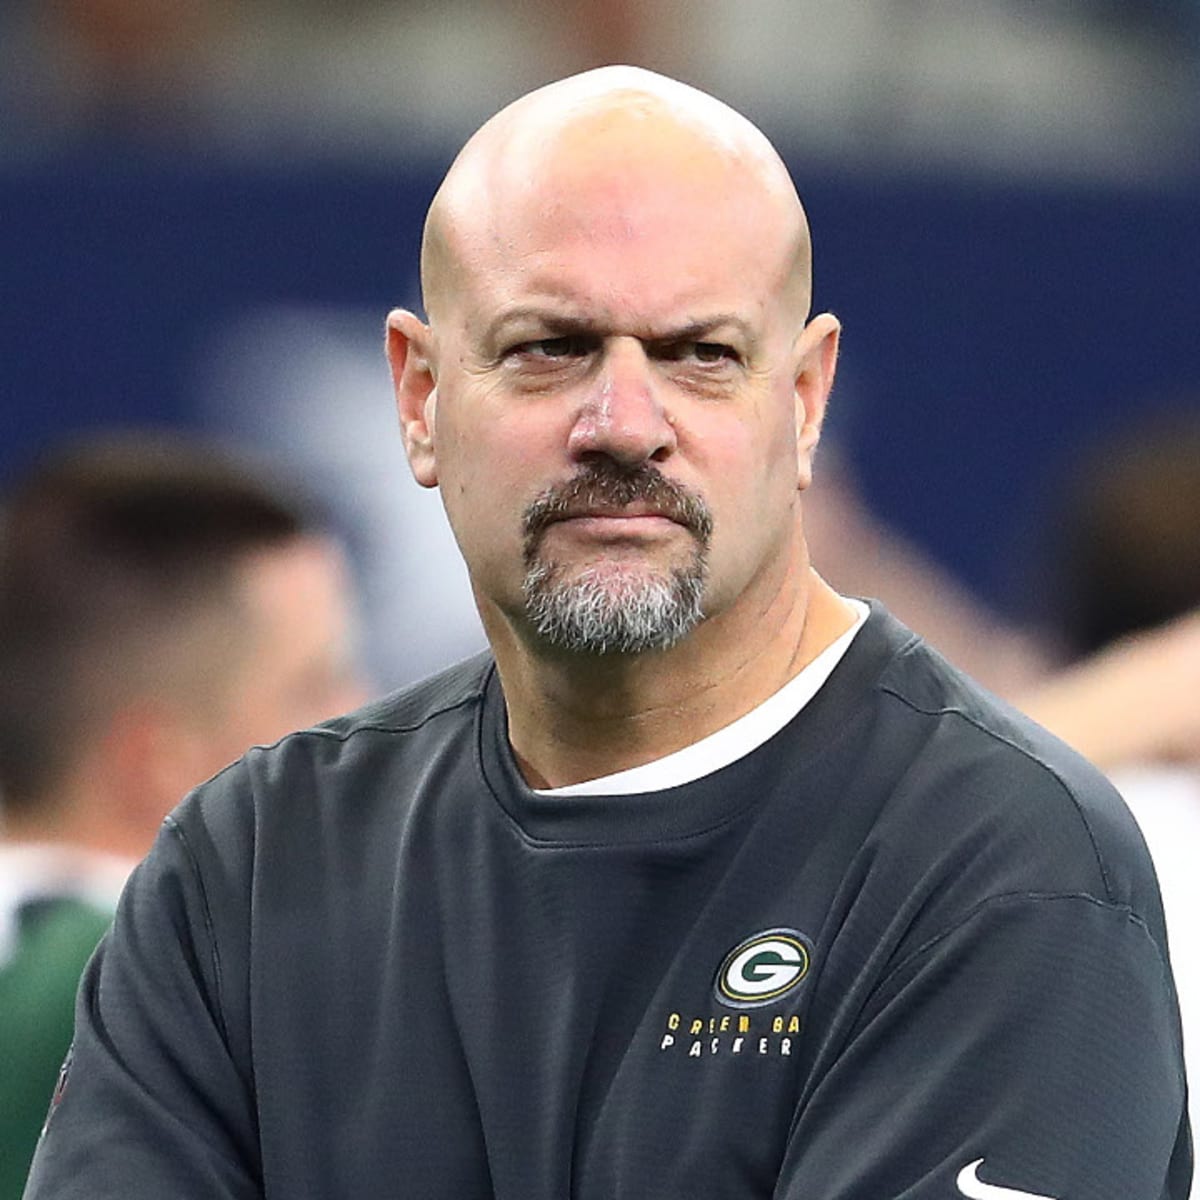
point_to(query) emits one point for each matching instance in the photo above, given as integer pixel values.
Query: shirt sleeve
(1033, 1047)
(152, 1102)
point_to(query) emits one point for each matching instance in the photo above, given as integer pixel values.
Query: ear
(409, 343)
(817, 349)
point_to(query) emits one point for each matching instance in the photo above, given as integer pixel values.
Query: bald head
(586, 148)
(616, 275)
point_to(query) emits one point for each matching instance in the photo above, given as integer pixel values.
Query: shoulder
(309, 824)
(435, 706)
(348, 774)
(1004, 795)
(449, 692)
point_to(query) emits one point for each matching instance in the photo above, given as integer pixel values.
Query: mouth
(617, 525)
(612, 505)
(625, 512)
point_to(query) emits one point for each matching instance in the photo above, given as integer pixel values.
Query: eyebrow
(559, 324)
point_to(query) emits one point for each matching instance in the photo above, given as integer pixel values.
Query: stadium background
(1005, 201)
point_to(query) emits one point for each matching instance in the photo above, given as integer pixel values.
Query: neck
(573, 719)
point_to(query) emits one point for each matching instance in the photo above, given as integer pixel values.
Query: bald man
(705, 881)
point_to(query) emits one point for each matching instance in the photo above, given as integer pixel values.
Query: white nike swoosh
(974, 1188)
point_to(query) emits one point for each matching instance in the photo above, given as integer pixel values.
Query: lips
(631, 512)
(616, 527)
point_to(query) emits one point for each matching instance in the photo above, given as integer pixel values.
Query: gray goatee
(607, 609)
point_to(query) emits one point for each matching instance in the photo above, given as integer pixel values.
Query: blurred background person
(862, 555)
(161, 609)
(1123, 582)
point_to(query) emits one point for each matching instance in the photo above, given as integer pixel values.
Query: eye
(568, 346)
(712, 352)
(705, 353)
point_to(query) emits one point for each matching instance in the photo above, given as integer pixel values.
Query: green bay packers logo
(763, 968)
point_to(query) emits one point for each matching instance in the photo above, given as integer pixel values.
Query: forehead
(668, 239)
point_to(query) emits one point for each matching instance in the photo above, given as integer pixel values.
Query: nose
(623, 416)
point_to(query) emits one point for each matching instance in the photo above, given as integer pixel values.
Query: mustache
(605, 486)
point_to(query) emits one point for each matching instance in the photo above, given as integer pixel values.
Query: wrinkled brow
(553, 322)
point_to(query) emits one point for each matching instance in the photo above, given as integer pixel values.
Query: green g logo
(763, 968)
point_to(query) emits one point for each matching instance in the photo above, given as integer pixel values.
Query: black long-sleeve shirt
(908, 933)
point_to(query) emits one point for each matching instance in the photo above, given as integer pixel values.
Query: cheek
(753, 465)
(752, 488)
(487, 479)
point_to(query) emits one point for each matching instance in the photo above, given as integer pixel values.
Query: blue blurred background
(206, 210)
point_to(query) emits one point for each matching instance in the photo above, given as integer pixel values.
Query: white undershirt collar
(727, 745)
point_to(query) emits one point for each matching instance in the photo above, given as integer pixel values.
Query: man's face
(615, 418)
